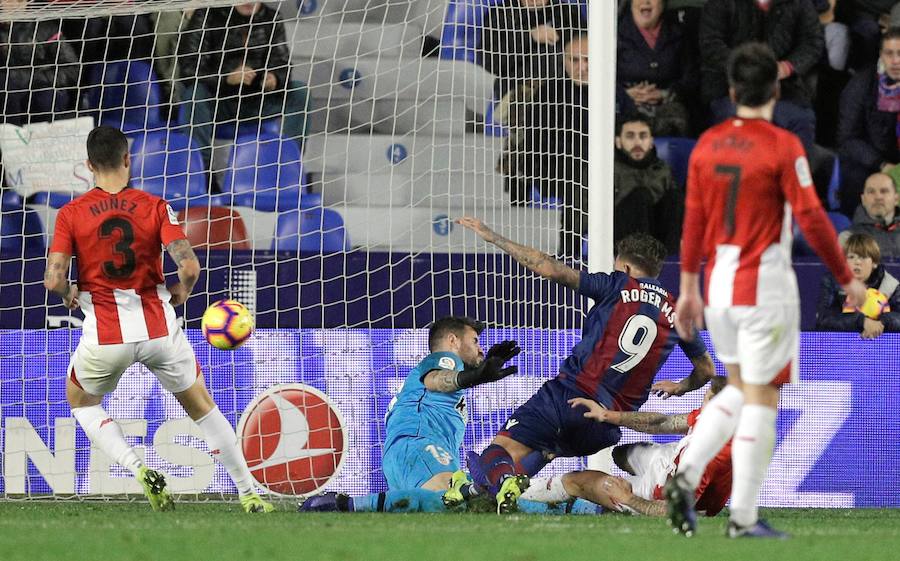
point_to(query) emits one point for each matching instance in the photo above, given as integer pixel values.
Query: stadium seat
(834, 186)
(214, 228)
(675, 152)
(315, 230)
(21, 231)
(461, 34)
(463, 23)
(54, 199)
(493, 127)
(169, 165)
(264, 172)
(127, 95)
(232, 130)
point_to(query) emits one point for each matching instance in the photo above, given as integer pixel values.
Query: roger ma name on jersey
(417, 411)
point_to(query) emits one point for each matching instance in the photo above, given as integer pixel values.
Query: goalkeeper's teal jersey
(417, 411)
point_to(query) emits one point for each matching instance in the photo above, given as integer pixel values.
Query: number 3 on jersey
(635, 341)
(122, 248)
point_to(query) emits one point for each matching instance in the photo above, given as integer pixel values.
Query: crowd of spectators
(839, 69)
(839, 78)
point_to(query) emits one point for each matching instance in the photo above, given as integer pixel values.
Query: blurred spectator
(647, 199)
(867, 20)
(656, 67)
(792, 30)
(878, 215)
(38, 69)
(867, 122)
(553, 152)
(105, 39)
(168, 29)
(523, 39)
(864, 259)
(233, 65)
(832, 72)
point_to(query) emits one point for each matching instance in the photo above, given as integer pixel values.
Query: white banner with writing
(47, 156)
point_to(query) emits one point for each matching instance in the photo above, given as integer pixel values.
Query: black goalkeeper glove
(492, 368)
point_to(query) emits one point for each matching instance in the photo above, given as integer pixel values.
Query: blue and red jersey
(626, 338)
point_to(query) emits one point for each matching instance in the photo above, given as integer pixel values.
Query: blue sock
(407, 500)
(535, 507)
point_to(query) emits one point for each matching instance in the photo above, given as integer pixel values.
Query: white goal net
(317, 153)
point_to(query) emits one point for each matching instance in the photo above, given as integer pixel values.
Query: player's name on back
(113, 203)
(653, 295)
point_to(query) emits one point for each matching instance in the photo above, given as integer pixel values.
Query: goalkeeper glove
(492, 368)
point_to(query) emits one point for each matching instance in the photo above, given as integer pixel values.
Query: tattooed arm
(646, 507)
(641, 421)
(188, 270)
(56, 279)
(534, 260)
(443, 381)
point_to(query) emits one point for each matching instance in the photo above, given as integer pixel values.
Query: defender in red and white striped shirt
(745, 178)
(116, 235)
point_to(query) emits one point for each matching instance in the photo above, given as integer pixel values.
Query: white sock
(751, 452)
(546, 490)
(103, 431)
(715, 426)
(223, 446)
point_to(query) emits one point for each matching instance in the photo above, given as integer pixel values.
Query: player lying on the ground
(115, 234)
(426, 422)
(626, 337)
(424, 500)
(650, 464)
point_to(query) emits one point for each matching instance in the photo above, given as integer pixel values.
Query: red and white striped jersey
(745, 177)
(117, 240)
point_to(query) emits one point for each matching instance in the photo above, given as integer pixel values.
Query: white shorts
(763, 340)
(97, 368)
(652, 464)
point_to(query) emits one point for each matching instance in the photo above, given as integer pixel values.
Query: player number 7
(734, 174)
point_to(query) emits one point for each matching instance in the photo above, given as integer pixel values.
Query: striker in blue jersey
(424, 429)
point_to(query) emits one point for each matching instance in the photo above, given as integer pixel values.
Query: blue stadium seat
(839, 221)
(169, 165)
(493, 127)
(232, 130)
(462, 29)
(21, 231)
(834, 186)
(264, 172)
(461, 32)
(54, 199)
(127, 94)
(315, 230)
(676, 152)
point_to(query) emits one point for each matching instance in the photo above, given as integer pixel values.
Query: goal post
(340, 238)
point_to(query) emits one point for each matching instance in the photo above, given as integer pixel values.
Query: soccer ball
(227, 324)
(876, 304)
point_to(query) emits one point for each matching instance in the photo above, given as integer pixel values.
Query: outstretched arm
(532, 259)
(56, 279)
(704, 371)
(641, 421)
(188, 265)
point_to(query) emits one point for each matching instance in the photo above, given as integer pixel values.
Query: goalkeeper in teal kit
(426, 422)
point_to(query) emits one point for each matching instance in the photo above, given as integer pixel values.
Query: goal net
(317, 159)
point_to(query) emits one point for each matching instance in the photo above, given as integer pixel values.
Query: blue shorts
(410, 462)
(547, 423)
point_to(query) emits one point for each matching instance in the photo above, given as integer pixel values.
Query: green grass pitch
(90, 531)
